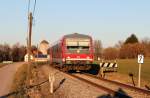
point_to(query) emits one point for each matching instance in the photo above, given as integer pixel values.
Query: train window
(85, 47)
(72, 43)
(84, 43)
(72, 47)
(78, 49)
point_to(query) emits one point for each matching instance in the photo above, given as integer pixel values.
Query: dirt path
(6, 77)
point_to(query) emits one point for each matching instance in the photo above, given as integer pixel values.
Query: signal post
(140, 61)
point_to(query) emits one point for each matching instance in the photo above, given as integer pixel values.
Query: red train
(73, 52)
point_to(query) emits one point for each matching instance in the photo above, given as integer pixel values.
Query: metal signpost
(140, 61)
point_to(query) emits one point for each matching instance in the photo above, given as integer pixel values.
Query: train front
(78, 52)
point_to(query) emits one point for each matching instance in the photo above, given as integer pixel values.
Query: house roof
(44, 41)
(76, 35)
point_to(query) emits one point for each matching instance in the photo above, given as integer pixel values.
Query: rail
(121, 84)
(100, 86)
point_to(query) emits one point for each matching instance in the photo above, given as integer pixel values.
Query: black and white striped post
(107, 66)
(104, 64)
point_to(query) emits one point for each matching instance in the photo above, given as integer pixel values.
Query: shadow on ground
(61, 82)
(94, 70)
(118, 94)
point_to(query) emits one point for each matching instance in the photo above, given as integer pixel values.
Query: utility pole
(30, 34)
(30, 18)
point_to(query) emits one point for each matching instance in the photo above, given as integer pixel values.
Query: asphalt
(6, 77)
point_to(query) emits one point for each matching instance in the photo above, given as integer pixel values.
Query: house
(26, 58)
(43, 47)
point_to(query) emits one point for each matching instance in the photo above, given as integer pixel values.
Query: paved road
(6, 77)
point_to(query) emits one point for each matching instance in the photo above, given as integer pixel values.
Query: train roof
(77, 35)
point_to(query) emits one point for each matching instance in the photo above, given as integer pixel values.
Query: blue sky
(106, 20)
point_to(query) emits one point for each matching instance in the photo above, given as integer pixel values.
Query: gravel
(66, 86)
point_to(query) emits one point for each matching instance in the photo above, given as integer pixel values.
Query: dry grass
(19, 81)
(127, 66)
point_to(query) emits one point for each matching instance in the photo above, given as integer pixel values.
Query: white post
(51, 81)
(51, 87)
(139, 80)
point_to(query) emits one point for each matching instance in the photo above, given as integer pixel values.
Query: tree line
(15, 52)
(127, 49)
(12, 53)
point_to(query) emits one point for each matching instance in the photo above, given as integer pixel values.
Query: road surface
(6, 77)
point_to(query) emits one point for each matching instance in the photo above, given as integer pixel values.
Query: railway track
(110, 91)
(121, 84)
(113, 87)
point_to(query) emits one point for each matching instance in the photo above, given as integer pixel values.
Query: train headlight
(87, 57)
(63, 59)
(68, 57)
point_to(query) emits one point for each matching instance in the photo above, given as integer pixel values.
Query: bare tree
(119, 44)
(22, 52)
(131, 50)
(146, 43)
(15, 52)
(18, 52)
(110, 53)
(97, 49)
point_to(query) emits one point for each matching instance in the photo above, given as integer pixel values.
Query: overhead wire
(34, 7)
(28, 7)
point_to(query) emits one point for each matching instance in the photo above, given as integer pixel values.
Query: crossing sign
(140, 59)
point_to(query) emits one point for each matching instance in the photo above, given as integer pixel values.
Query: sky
(107, 20)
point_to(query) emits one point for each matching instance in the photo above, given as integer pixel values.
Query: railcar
(73, 52)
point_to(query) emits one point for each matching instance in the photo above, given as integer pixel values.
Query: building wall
(43, 48)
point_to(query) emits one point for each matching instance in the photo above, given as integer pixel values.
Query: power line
(28, 6)
(34, 7)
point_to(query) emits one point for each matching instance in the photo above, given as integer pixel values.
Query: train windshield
(78, 46)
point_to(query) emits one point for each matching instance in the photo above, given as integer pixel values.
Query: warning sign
(140, 58)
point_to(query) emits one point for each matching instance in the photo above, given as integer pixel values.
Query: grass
(126, 66)
(20, 80)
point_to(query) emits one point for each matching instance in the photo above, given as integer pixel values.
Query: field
(126, 66)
